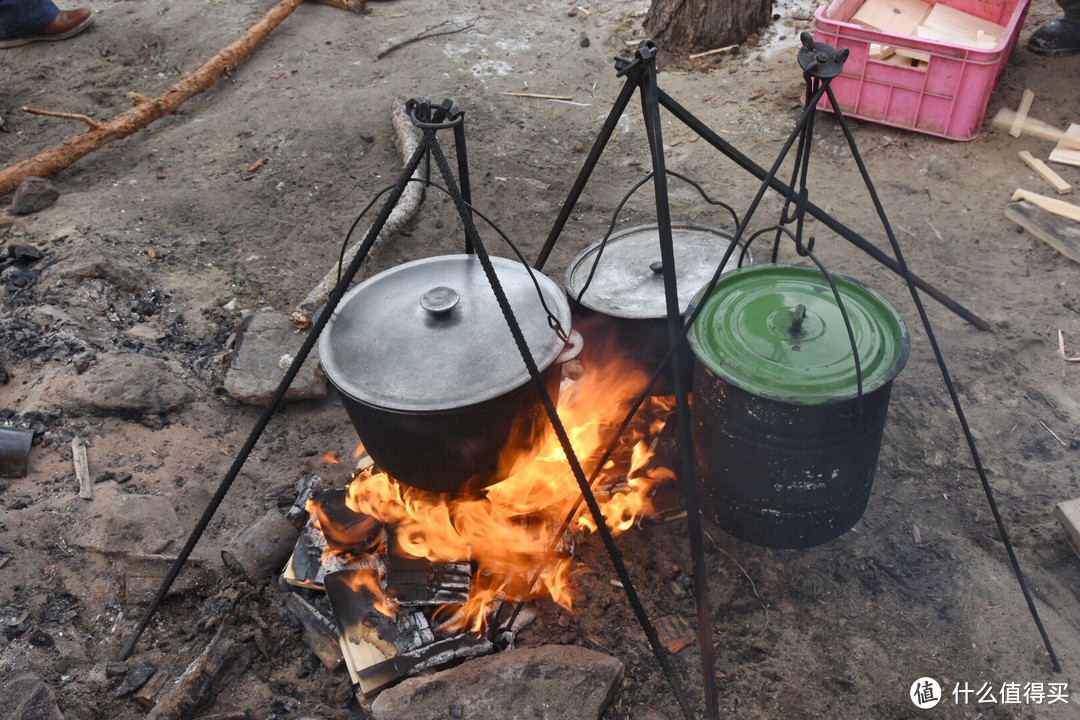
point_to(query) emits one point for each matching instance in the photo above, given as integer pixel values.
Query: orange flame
(508, 530)
(330, 458)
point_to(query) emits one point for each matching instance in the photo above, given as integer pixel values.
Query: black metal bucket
(786, 459)
(784, 475)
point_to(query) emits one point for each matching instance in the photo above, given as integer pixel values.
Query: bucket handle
(807, 250)
(626, 198)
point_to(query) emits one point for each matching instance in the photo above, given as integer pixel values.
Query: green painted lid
(776, 332)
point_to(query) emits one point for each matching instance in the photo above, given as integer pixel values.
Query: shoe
(1055, 38)
(68, 23)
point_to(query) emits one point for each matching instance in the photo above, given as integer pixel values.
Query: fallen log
(407, 140)
(146, 110)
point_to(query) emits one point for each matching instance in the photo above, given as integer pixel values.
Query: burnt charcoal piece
(415, 582)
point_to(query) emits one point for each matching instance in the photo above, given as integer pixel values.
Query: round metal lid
(629, 280)
(429, 335)
(776, 332)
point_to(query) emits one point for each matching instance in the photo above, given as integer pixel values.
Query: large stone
(27, 697)
(87, 263)
(266, 344)
(117, 523)
(128, 385)
(33, 194)
(553, 682)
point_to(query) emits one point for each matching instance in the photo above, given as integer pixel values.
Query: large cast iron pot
(617, 288)
(430, 375)
(785, 445)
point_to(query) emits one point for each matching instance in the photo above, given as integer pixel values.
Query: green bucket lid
(776, 331)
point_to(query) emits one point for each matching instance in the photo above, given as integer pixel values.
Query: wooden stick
(1061, 349)
(1058, 207)
(1036, 128)
(407, 140)
(714, 51)
(67, 116)
(1021, 113)
(63, 155)
(1043, 170)
(82, 468)
(537, 96)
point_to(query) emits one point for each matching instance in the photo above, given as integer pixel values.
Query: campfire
(424, 577)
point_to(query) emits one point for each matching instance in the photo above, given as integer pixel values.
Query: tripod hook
(820, 60)
(426, 115)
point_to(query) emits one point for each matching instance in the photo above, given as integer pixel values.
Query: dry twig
(67, 116)
(422, 35)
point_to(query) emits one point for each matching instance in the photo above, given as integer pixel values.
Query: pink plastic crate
(947, 98)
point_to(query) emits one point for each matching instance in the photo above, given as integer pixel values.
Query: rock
(583, 40)
(553, 682)
(265, 346)
(118, 523)
(127, 385)
(26, 697)
(32, 195)
(92, 263)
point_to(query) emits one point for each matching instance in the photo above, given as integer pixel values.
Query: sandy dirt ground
(187, 240)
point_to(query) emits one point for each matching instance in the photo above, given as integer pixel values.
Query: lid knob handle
(796, 318)
(439, 300)
(657, 267)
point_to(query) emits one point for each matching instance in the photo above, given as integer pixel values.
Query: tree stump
(692, 25)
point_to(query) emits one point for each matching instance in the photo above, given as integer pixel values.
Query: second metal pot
(617, 288)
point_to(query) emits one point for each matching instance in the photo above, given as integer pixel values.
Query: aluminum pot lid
(776, 331)
(428, 335)
(629, 280)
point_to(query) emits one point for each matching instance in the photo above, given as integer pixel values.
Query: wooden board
(916, 55)
(1021, 113)
(895, 16)
(948, 19)
(1063, 153)
(1068, 514)
(1057, 207)
(1043, 170)
(1057, 232)
(879, 52)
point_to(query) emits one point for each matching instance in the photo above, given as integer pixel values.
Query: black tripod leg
(279, 395)
(564, 440)
(988, 490)
(650, 106)
(593, 157)
(688, 119)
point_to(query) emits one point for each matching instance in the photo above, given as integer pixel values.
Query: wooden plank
(1017, 126)
(1067, 151)
(916, 55)
(879, 52)
(1043, 170)
(1058, 207)
(980, 41)
(1037, 128)
(895, 16)
(1068, 514)
(1058, 233)
(949, 19)
(82, 468)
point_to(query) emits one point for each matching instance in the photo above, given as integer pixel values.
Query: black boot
(1056, 37)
